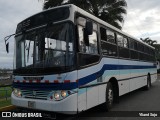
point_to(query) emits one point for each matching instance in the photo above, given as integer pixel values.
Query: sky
(142, 21)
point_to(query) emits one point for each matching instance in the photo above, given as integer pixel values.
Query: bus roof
(83, 12)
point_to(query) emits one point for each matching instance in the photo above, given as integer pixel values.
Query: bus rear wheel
(109, 97)
(148, 86)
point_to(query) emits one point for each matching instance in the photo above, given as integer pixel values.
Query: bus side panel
(154, 76)
(124, 74)
(88, 91)
(144, 72)
(102, 93)
(134, 73)
(92, 97)
(82, 99)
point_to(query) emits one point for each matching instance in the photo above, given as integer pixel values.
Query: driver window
(92, 48)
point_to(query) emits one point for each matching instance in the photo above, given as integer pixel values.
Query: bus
(68, 61)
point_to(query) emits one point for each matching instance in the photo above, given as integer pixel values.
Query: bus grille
(35, 94)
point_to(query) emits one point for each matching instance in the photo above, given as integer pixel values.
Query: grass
(5, 102)
(5, 92)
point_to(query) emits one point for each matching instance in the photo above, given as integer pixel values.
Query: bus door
(88, 58)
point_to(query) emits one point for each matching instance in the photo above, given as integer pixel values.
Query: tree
(154, 44)
(111, 11)
(149, 41)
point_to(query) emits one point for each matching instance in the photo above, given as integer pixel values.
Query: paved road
(139, 100)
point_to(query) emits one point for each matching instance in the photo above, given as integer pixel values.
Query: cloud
(11, 13)
(143, 18)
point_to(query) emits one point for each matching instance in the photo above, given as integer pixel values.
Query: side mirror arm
(7, 43)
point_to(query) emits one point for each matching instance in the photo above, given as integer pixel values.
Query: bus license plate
(31, 104)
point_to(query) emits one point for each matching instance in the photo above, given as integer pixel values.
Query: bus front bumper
(66, 106)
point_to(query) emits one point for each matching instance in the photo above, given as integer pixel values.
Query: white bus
(67, 61)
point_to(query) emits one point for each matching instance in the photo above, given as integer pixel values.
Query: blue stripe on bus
(93, 76)
(81, 82)
(46, 86)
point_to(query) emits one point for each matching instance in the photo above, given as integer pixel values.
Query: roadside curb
(7, 108)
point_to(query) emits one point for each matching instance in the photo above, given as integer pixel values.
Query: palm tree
(149, 41)
(111, 11)
(51, 3)
(154, 44)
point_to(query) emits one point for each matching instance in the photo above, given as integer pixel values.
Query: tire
(148, 86)
(109, 97)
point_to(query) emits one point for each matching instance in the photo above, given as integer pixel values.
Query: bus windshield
(47, 47)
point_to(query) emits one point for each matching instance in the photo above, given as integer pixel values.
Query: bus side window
(103, 34)
(108, 43)
(92, 48)
(93, 43)
(120, 40)
(125, 42)
(82, 47)
(110, 36)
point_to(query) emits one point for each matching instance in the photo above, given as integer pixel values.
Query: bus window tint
(131, 44)
(110, 36)
(120, 40)
(81, 42)
(125, 42)
(93, 43)
(103, 34)
(92, 48)
(108, 48)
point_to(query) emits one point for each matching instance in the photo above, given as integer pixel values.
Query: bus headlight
(60, 95)
(63, 93)
(56, 95)
(17, 92)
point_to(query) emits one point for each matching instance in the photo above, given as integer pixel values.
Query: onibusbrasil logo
(13, 114)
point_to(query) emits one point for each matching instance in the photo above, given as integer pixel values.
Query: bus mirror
(7, 47)
(7, 43)
(88, 30)
(89, 27)
(86, 37)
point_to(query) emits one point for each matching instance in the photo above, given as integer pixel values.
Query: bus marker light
(38, 81)
(46, 81)
(24, 81)
(56, 81)
(67, 81)
(30, 81)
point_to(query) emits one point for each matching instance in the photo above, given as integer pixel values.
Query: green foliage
(111, 11)
(149, 41)
(154, 44)
(5, 92)
(4, 103)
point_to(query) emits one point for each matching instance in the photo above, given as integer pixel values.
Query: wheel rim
(148, 82)
(110, 96)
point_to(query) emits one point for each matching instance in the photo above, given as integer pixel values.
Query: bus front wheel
(109, 97)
